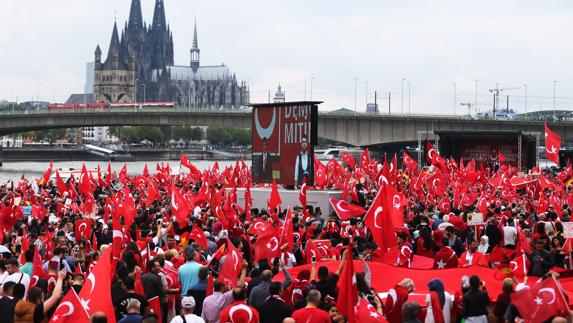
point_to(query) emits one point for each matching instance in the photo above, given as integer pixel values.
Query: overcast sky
(44, 45)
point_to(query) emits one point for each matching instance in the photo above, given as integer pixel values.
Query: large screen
(284, 135)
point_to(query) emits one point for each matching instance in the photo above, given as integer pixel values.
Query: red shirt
(311, 314)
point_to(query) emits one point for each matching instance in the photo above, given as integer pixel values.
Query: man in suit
(303, 168)
(262, 164)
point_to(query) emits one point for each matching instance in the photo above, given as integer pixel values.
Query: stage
(290, 198)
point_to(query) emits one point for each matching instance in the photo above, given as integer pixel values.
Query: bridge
(355, 129)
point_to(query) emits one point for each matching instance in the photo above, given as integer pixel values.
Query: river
(15, 170)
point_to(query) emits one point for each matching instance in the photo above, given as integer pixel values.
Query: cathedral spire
(114, 45)
(195, 44)
(195, 52)
(135, 16)
(159, 23)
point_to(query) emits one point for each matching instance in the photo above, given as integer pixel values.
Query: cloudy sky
(432, 44)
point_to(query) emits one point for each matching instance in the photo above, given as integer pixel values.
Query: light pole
(554, 84)
(304, 89)
(366, 90)
(455, 98)
(355, 81)
(525, 104)
(403, 95)
(311, 79)
(476, 103)
(409, 111)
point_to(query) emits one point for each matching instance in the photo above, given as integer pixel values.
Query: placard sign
(567, 230)
(477, 219)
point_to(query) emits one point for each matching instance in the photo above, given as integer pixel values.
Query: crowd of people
(181, 248)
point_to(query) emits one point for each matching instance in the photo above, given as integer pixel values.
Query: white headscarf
(482, 248)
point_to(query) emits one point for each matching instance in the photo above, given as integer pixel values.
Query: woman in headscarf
(484, 245)
(439, 303)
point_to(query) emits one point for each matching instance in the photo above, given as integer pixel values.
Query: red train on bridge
(105, 105)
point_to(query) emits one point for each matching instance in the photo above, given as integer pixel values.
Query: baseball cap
(188, 302)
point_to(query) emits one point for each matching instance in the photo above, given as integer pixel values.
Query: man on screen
(262, 164)
(303, 166)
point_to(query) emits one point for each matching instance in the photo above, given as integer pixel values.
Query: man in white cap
(187, 308)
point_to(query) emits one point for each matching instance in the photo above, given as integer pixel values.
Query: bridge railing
(565, 116)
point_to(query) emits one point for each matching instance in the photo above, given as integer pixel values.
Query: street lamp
(311, 79)
(455, 98)
(409, 111)
(525, 104)
(403, 95)
(554, 84)
(366, 90)
(476, 103)
(355, 80)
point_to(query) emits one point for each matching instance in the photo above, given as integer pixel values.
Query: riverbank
(26, 154)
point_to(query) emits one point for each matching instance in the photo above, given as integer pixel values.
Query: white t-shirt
(509, 235)
(189, 318)
(21, 278)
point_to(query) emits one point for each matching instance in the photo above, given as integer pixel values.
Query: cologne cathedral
(139, 67)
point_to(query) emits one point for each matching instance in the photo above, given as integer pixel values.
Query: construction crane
(497, 92)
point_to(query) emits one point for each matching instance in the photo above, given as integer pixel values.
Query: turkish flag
(84, 228)
(275, 199)
(152, 193)
(365, 159)
(379, 219)
(408, 161)
(367, 313)
(60, 183)
(541, 301)
(346, 210)
(434, 158)
(70, 310)
(232, 265)
(85, 186)
(301, 195)
(138, 284)
(179, 207)
(348, 159)
(198, 236)
(117, 236)
(96, 293)
(552, 145)
(267, 244)
(108, 175)
(501, 158)
(155, 305)
(445, 258)
(444, 205)
(193, 170)
(287, 232)
(348, 292)
(46, 177)
(317, 249)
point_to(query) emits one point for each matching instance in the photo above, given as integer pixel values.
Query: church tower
(195, 51)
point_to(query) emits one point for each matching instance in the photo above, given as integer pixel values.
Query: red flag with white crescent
(70, 310)
(346, 210)
(95, 295)
(552, 145)
(232, 265)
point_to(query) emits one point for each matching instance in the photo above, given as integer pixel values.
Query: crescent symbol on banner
(236, 259)
(376, 212)
(339, 206)
(241, 307)
(275, 244)
(302, 189)
(85, 226)
(396, 204)
(92, 280)
(513, 265)
(264, 132)
(70, 307)
(550, 291)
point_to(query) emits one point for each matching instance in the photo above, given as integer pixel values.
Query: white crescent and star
(551, 291)
(70, 307)
(274, 244)
(395, 203)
